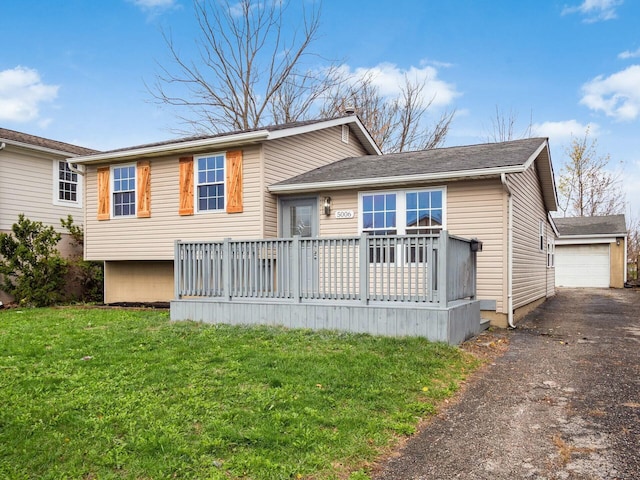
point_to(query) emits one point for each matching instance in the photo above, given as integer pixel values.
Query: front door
(299, 217)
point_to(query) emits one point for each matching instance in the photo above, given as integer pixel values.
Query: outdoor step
(484, 324)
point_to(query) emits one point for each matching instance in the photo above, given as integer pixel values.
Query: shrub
(88, 275)
(33, 270)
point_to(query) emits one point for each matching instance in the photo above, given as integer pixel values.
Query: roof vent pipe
(2, 145)
(350, 110)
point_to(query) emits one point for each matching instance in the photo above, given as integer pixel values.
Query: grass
(100, 394)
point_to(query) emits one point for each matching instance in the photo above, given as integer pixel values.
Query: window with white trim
(551, 252)
(67, 186)
(401, 212)
(541, 232)
(210, 177)
(123, 190)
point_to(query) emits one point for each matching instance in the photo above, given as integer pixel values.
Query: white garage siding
(582, 265)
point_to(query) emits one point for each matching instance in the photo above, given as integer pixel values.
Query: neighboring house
(591, 251)
(321, 179)
(36, 180)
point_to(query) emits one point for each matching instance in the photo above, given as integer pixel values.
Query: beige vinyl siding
(153, 238)
(474, 209)
(26, 186)
(287, 157)
(529, 262)
(330, 226)
(477, 209)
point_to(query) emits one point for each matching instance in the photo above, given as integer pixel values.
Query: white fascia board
(553, 224)
(585, 239)
(534, 155)
(38, 148)
(288, 132)
(368, 182)
(173, 148)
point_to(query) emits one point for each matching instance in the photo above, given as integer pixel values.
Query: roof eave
(396, 180)
(593, 235)
(30, 146)
(363, 135)
(176, 148)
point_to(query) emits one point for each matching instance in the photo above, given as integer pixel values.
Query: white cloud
(21, 93)
(595, 10)
(154, 4)
(627, 54)
(617, 95)
(562, 132)
(389, 79)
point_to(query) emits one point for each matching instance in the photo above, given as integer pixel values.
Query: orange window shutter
(144, 188)
(234, 181)
(103, 193)
(186, 186)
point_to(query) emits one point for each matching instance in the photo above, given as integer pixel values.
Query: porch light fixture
(617, 241)
(326, 205)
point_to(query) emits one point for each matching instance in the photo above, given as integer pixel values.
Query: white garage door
(582, 265)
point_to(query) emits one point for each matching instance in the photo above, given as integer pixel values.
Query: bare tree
(250, 71)
(397, 124)
(585, 185)
(503, 127)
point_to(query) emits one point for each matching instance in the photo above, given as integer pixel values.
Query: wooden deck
(413, 285)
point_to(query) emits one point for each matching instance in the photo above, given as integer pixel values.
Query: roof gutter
(397, 180)
(505, 185)
(3, 144)
(173, 148)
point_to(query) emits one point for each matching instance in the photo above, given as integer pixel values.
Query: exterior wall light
(326, 205)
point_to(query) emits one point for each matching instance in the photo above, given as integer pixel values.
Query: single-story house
(37, 180)
(591, 251)
(321, 179)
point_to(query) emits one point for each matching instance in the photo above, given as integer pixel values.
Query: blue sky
(75, 70)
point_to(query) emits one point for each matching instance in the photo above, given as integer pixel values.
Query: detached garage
(591, 251)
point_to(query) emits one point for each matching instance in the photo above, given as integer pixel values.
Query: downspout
(73, 168)
(503, 179)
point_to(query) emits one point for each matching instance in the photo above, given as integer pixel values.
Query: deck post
(295, 268)
(177, 270)
(364, 268)
(226, 269)
(443, 265)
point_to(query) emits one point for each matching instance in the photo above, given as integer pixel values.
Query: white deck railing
(429, 269)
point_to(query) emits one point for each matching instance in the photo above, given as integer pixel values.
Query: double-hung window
(402, 212)
(424, 212)
(210, 186)
(379, 216)
(124, 191)
(551, 252)
(67, 185)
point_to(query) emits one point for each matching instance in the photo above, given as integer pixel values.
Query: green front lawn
(108, 393)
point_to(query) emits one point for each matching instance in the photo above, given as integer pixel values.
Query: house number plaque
(344, 214)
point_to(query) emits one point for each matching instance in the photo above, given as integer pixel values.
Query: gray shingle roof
(439, 160)
(602, 225)
(269, 128)
(13, 136)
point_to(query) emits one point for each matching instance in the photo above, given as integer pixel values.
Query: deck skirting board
(454, 324)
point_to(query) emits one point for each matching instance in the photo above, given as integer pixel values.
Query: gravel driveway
(563, 402)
